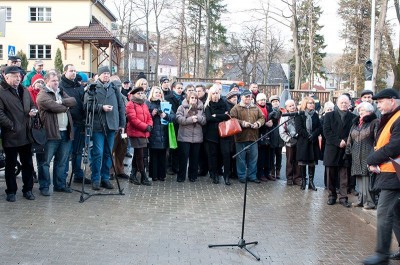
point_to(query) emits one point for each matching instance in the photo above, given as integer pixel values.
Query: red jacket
(139, 118)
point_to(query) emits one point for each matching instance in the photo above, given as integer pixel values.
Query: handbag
(229, 127)
(171, 136)
(39, 135)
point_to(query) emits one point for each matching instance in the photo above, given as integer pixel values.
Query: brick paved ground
(173, 223)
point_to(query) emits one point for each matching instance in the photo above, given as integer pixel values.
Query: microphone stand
(242, 243)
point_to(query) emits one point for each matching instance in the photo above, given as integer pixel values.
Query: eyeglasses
(193, 98)
(310, 103)
(248, 96)
(262, 99)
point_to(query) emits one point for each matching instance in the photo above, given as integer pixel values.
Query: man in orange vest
(386, 147)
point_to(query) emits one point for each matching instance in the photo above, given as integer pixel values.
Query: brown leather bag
(229, 127)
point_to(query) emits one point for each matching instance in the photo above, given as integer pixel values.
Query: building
(81, 29)
(168, 65)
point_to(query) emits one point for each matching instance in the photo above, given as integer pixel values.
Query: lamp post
(368, 83)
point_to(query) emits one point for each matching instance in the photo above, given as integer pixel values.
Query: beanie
(103, 69)
(261, 96)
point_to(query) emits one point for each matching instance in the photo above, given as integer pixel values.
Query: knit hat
(103, 69)
(84, 77)
(232, 94)
(246, 92)
(366, 92)
(141, 75)
(37, 78)
(163, 78)
(275, 97)
(233, 85)
(261, 96)
(126, 81)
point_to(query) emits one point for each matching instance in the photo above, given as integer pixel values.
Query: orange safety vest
(384, 139)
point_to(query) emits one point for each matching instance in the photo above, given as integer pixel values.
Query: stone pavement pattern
(173, 223)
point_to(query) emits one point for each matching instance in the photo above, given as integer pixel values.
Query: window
(139, 47)
(1, 52)
(40, 51)
(8, 12)
(40, 14)
(137, 63)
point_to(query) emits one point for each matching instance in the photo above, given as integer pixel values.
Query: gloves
(149, 128)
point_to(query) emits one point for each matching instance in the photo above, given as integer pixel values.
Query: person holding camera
(104, 102)
(158, 140)
(138, 129)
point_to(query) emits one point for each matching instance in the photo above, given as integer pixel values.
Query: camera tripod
(242, 243)
(90, 111)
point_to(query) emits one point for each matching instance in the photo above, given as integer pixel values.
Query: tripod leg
(223, 245)
(254, 255)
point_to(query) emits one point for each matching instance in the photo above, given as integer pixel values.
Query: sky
(239, 14)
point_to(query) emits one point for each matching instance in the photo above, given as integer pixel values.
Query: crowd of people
(174, 130)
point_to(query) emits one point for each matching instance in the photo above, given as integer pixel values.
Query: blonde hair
(213, 89)
(140, 81)
(151, 94)
(303, 104)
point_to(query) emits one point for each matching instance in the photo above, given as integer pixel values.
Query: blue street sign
(11, 50)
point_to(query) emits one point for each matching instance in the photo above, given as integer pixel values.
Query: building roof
(94, 32)
(168, 59)
(104, 9)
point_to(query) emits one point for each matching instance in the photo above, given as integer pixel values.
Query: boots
(226, 178)
(133, 178)
(311, 171)
(303, 172)
(278, 174)
(271, 175)
(215, 178)
(145, 181)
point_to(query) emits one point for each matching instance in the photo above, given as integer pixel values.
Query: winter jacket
(48, 109)
(159, 134)
(360, 143)
(139, 119)
(211, 129)
(75, 90)
(307, 149)
(106, 94)
(14, 115)
(287, 131)
(190, 132)
(28, 78)
(275, 139)
(386, 180)
(335, 130)
(250, 114)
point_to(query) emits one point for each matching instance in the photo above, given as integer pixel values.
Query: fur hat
(136, 89)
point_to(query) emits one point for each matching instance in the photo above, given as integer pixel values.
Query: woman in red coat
(138, 129)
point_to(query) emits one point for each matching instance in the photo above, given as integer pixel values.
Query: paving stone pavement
(173, 223)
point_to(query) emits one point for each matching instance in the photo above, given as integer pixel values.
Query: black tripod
(242, 243)
(90, 111)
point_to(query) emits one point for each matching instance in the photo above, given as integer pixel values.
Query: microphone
(291, 114)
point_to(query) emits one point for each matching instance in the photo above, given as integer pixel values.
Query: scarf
(342, 114)
(178, 97)
(309, 114)
(264, 111)
(139, 101)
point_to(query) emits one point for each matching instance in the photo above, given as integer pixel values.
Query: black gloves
(149, 128)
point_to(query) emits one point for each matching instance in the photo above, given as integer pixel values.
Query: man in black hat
(164, 82)
(126, 88)
(16, 61)
(16, 107)
(366, 96)
(386, 147)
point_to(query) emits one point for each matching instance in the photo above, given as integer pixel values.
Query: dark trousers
(292, 168)
(119, 151)
(386, 220)
(275, 158)
(157, 165)
(203, 161)
(138, 159)
(191, 151)
(215, 149)
(331, 178)
(173, 159)
(263, 161)
(25, 156)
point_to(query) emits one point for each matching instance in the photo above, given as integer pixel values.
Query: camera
(159, 111)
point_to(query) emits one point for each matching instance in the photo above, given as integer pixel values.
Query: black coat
(307, 143)
(74, 89)
(387, 181)
(335, 131)
(14, 115)
(219, 109)
(275, 139)
(159, 134)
